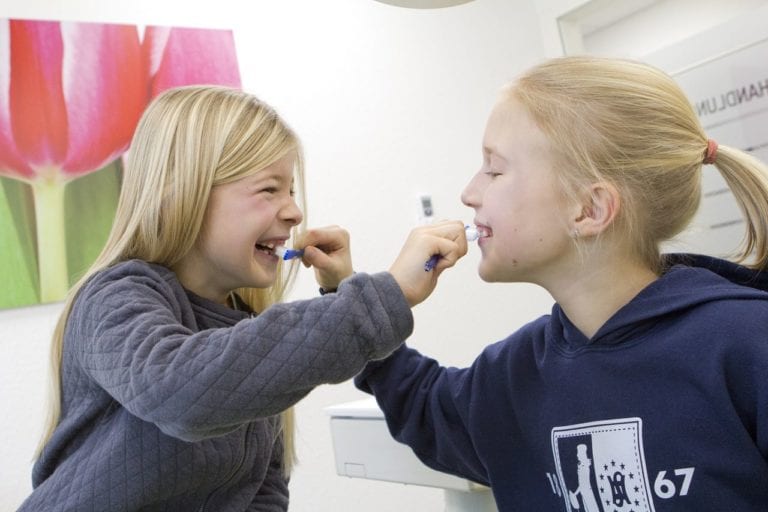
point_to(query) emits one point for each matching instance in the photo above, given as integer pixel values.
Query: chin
(257, 282)
(261, 278)
(264, 283)
(486, 275)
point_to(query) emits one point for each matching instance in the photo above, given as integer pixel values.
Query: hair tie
(711, 155)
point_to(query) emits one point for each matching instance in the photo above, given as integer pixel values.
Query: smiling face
(518, 201)
(244, 221)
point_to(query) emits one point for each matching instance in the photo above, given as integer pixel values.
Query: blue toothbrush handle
(472, 235)
(288, 254)
(293, 253)
(431, 262)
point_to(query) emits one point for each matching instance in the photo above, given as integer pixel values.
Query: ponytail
(747, 177)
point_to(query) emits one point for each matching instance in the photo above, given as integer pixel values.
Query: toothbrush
(472, 235)
(286, 254)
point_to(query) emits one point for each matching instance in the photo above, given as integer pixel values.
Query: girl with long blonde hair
(175, 363)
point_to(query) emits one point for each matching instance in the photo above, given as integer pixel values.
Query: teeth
(483, 232)
(271, 247)
(266, 248)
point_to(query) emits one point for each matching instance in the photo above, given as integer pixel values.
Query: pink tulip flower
(183, 56)
(70, 99)
(71, 95)
(75, 93)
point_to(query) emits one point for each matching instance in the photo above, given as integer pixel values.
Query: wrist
(331, 288)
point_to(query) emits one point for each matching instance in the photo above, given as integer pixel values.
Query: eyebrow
(260, 176)
(261, 179)
(490, 151)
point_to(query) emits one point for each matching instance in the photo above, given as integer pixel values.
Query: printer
(364, 448)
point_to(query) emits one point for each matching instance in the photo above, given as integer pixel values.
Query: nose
(471, 194)
(291, 213)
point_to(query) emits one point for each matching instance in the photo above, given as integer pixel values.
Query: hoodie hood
(733, 272)
(688, 281)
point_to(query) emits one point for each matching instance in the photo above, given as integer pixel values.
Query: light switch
(426, 210)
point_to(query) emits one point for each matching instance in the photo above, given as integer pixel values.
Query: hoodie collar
(688, 280)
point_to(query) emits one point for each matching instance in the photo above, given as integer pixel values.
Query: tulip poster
(71, 95)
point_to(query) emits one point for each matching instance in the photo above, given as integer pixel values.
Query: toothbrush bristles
(473, 233)
(284, 253)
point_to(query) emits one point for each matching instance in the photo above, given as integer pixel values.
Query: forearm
(200, 384)
(426, 408)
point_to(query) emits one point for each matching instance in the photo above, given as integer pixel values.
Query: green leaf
(18, 255)
(89, 206)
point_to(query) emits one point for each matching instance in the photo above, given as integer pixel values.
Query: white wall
(390, 103)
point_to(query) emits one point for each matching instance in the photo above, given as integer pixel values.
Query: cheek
(259, 210)
(508, 216)
(496, 203)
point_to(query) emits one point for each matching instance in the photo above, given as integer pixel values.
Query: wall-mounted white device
(364, 448)
(426, 210)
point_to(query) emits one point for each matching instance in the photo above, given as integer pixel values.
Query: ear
(598, 210)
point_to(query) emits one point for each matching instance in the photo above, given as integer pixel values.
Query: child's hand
(327, 250)
(447, 238)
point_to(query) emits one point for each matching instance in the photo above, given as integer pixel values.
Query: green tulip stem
(51, 243)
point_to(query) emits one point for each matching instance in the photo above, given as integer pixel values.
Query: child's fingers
(314, 257)
(449, 252)
(445, 241)
(449, 240)
(327, 250)
(328, 239)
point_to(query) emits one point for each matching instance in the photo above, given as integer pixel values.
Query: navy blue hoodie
(665, 408)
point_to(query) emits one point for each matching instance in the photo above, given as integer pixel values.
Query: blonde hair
(189, 140)
(629, 124)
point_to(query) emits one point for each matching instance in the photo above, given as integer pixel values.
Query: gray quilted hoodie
(169, 400)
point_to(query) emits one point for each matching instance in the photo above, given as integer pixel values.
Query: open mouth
(484, 231)
(266, 248)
